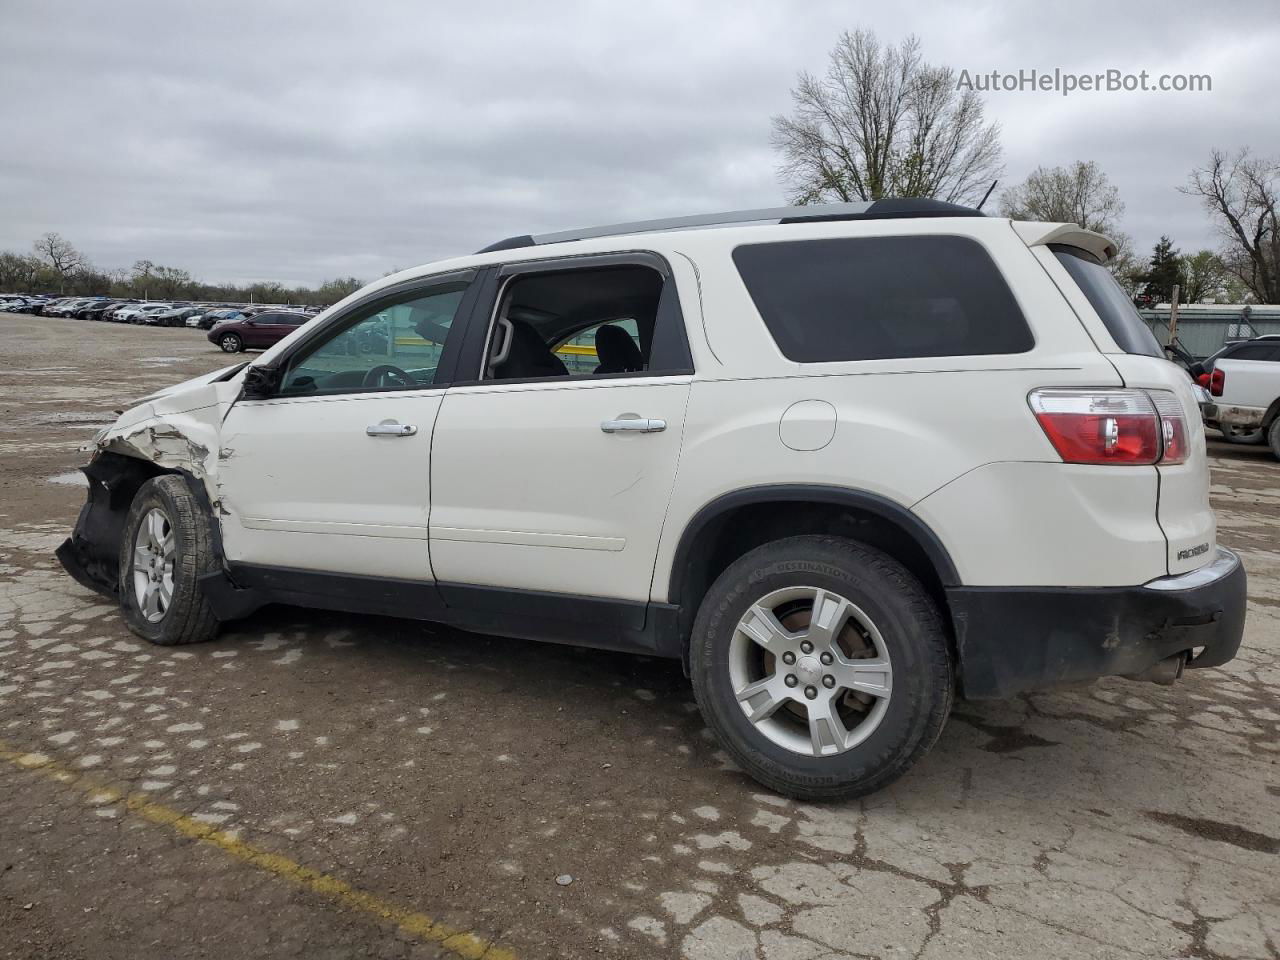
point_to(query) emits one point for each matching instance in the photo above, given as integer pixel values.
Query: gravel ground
(321, 785)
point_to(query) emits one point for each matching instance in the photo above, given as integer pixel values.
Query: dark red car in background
(261, 330)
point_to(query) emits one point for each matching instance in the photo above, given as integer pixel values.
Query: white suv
(842, 461)
(1244, 391)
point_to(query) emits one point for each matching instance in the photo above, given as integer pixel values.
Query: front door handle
(389, 428)
(628, 424)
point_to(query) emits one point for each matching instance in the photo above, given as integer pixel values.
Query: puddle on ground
(72, 478)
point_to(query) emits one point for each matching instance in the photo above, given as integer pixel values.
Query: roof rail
(888, 209)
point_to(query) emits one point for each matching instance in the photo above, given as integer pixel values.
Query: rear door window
(879, 298)
(1116, 310)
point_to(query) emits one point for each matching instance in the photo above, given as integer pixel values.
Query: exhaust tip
(1164, 672)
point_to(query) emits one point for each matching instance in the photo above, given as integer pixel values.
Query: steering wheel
(384, 374)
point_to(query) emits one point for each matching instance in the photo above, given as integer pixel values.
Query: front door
(553, 472)
(332, 473)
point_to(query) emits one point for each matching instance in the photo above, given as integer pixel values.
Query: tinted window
(1253, 351)
(1116, 310)
(879, 298)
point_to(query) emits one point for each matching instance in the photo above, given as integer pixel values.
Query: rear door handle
(633, 425)
(389, 428)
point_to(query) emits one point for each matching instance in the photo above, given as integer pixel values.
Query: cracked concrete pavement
(458, 775)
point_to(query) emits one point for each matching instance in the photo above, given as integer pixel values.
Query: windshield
(1122, 320)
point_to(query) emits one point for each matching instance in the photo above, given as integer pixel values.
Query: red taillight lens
(1203, 380)
(1108, 426)
(1217, 381)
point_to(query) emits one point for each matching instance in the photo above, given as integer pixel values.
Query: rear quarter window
(1118, 315)
(881, 298)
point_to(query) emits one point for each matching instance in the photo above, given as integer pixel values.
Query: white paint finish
(531, 458)
(1186, 519)
(807, 425)
(304, 485)
(1047, 524)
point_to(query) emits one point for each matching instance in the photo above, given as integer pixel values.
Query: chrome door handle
(633, 425)
(391, 429)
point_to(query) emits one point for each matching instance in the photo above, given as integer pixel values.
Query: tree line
(55, 266)
(882, 122)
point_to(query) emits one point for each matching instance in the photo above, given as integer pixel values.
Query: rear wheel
(166, 548)
(1273, 437)
(822, 666)
(230, 343)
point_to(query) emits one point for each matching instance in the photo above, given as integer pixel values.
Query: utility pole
(1173, 314)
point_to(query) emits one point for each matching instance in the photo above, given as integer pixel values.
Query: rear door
(548, 474)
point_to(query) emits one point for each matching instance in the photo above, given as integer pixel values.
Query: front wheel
(822, 665)
(166, 548)
(230, 343)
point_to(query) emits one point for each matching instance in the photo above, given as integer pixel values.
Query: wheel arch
(736, 522)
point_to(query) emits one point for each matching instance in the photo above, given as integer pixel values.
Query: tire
(185, 617)
(230, 343)
(1273, 437)
(1244, 436)
(891, 614)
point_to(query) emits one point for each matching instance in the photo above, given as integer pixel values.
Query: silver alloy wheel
(230, 344)
(810, 670)
(153, 556)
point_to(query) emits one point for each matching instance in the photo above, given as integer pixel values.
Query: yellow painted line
(462, 943)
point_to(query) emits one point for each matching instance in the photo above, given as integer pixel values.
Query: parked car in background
(174, 317)
(65, 308)
(1243, 380)
(134, 312)
(100, 310)
(261, 330)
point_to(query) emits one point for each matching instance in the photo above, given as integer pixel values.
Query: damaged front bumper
(92, 553)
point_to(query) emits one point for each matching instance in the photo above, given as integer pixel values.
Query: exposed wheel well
(730, 533)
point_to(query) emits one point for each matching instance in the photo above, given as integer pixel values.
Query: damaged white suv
(844, 462)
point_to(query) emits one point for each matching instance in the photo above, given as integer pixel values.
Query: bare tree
(1079, 193)
(1240, 192)
(883, 123)
(59, 256)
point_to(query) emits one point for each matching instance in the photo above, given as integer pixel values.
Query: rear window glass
(1116, 310)
(1254, 351)
(881, 298)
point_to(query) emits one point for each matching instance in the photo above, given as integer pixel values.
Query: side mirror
(260, 383)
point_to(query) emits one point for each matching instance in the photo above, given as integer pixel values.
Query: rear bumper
(1219, 415)
(1013, 640)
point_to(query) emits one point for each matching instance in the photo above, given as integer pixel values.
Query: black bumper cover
(1012, 640)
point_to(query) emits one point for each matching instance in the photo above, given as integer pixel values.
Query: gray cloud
(302, 140)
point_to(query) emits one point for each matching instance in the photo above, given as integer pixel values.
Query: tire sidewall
(154, 495)
(230, 339)
(912, 646)
(1273, 437)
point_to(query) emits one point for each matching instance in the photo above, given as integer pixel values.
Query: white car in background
(134, 312)
(1244, 392)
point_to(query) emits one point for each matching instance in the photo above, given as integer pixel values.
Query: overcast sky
(299, 141)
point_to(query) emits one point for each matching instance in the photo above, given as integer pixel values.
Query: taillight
(1203, 380)
(1112, 426)
(1217, 381)
(1173, 426)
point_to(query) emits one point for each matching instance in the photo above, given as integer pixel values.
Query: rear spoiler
(1035, 233)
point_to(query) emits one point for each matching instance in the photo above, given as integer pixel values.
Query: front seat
(618, 353)
(529, 356)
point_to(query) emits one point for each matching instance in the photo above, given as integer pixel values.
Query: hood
(226, 373)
